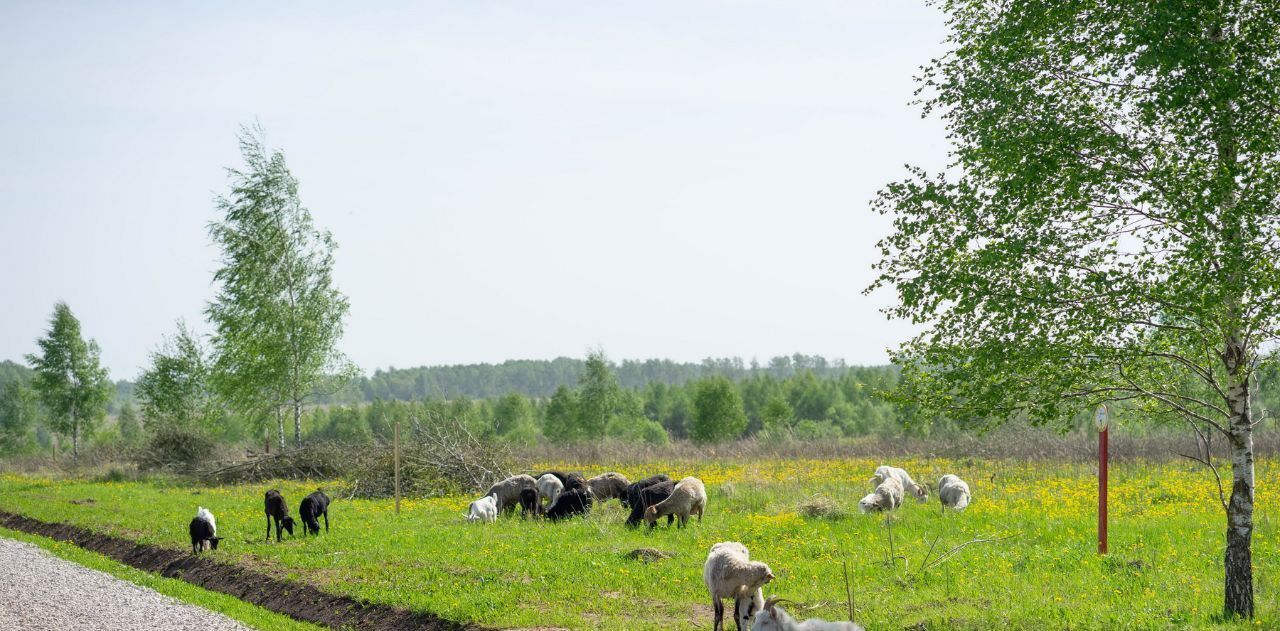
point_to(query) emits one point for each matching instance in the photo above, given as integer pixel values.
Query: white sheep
(687, 498)
(607, 486)
(887, 496)
(884, 473)
(729, 572)
(508, 491)
(775, 618)
(549, 488)
(953, 492)
(484, 510)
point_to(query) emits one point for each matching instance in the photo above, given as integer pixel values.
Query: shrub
(176, 447)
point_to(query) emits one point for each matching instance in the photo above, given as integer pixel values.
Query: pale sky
(506, 180)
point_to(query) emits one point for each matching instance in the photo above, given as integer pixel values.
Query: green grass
(229, 606)
(1165, 570)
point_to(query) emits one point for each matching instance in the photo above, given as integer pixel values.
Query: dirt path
(39, 591)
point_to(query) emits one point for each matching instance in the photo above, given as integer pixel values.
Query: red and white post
(1102, 421)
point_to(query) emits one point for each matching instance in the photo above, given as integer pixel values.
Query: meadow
(798, 515)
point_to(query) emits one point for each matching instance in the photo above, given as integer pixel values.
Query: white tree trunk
(1238, 562)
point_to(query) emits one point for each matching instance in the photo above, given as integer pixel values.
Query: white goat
(484, 510)
(886, 497)
(885, 472)
(775, 618)
(549, 488)
(729, 572)
(953, 492)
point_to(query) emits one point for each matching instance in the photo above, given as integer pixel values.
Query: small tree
(598, 396)
(777, 414)
(717, 411)
(561, 415)
(72, 385)
(127, 423)
(18, 412)
(277, 315)
(175, 391)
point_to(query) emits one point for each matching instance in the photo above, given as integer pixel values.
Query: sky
(505, 180)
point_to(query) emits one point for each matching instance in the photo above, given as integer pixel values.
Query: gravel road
(40, 592)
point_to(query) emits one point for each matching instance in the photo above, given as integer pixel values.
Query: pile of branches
(437, 457)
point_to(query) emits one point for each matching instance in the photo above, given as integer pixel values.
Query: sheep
(729, 572)
(886, 497)
(688, 497)
(884, 472)
(529, 503)
(569, 480)
(310, 510)
(570, 503)
(549, 488)
(607, 486)
(633, 491)
(277, 509)
(204, 531)
(953, 492)
(484, 510)
(648, 496)
(775, 618)
(508, 491)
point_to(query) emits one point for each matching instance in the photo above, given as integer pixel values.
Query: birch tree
(277, 315)
(71, 384)
(1108, 228)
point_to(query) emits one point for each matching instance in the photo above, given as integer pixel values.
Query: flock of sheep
(728, 572)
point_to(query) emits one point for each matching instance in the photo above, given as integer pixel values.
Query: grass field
(1164, 571)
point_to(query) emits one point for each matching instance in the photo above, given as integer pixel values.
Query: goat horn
(773, 600)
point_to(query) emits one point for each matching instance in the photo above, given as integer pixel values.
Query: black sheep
(570, 481)
(633, 491)
(570, 503)
(648, 496)
(529, 504)
(204, 531)
(275, 508)
(312, 507)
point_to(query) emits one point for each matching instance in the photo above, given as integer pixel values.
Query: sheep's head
(213, 542)
(921, 492)
(869, 504)
(651, 515)
(754, 575)
(287, 522)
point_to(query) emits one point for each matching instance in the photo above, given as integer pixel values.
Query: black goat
(648, 496)
(310, 510)
(570, 481)
(204, 531)
(275, 507)
(570, 503)
(633, 492)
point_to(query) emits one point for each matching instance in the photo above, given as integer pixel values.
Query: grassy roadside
(250, 615)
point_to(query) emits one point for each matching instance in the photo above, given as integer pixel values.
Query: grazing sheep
(484, 510)
(570, 503)
(729, 572)
(953, 492)
(607, 486)
(775, 618)
(687, 498)
(633, 491)
(529, 503)
(569, 480)
(310, 510)
(549, 488)
(884, 473)
(508, 491)
(886, 497)
(648, 496)
(277, 509)
(204, 531)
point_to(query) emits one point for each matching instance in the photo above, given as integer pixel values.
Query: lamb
(484, 510)
(607, 486)
(648, 496)
(508, 491)
(310, 510)
(633, 491)
(277, 509)
(775, 618)
(953, 492)
(570, 503)
(729, 572)
(204, 531)
(569, 480)
(884, 472)
(549, 488)
(886, 497)
(688, 497)
(529, 503)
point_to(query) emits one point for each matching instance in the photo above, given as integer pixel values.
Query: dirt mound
(298, 601)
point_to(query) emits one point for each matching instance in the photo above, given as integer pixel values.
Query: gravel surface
(39, 592)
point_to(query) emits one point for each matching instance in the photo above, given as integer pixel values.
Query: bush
(638, 429)
(176, 447)
(817, 430)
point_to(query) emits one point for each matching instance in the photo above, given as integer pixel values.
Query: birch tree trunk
(1238, 599)
(280, 428)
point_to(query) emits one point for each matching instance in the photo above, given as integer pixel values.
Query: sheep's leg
(326, 520)
(718, 606)
(268, 527)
